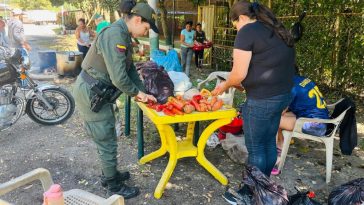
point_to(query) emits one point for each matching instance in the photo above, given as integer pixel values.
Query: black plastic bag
(303, 198)
(146, 64)
(297, 28)
(157, 83)
(351, 193)
(265, 191)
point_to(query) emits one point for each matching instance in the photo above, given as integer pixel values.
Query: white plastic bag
(180, 80)
(188, 95)
(213, 141)
(235, 148)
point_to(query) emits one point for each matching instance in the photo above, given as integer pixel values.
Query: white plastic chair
(327, 140)
(72, 197)
(228, 96)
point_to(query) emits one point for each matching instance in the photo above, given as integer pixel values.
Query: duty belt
(103, 93)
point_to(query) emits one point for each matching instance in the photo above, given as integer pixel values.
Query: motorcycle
(45, 104)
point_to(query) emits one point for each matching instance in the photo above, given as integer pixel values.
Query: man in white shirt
(16, 31)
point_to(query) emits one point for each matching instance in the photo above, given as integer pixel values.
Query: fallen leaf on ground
(207, 197)
(174, 186)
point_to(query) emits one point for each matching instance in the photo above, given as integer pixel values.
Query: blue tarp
(170, 62)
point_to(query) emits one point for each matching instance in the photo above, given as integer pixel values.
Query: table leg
(190, 131)
(176, 127)
(140, 135)
(196, 135)
(162, 150)
(201, 158)
(127, 115)
(170, 136)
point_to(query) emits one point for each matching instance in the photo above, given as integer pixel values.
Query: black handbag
(297, 28)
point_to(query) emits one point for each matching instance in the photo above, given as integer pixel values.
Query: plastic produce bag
(351, 193)
(188, 95)
(265, 191)
(180, 80)
(157, 83)
(170, 61)
(235, 148)
(303, 198)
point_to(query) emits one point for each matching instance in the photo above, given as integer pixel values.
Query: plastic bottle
(54, 196)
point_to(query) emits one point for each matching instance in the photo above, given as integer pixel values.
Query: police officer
(108, 65)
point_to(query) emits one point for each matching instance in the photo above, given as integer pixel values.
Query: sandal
(275, 172)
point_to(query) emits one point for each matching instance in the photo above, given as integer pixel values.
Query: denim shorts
(314, 128)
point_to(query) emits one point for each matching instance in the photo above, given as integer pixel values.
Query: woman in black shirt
(264, 65)
(200, 38)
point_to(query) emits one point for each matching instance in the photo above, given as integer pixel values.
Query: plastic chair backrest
(228, 96)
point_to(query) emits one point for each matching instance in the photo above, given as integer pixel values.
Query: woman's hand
(219, 89)
(239, 87)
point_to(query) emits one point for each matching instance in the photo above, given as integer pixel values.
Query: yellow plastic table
(185, 148)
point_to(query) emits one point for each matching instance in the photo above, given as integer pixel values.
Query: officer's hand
(142, 97)
(151, 98)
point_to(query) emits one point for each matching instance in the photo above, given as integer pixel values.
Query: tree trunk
(166, 32)
(116, 15)
(112, 15)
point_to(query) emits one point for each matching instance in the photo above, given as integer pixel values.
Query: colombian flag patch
(120, 48)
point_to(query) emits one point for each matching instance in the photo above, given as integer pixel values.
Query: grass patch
(57, 30)
(361, 143)
(60, 43)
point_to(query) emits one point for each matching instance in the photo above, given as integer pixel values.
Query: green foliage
(331, 49)
(197, 2)
(31, 4)
(110, 5)
(57, 3)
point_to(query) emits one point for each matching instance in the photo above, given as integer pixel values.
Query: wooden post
(270, 4)
(335, 56)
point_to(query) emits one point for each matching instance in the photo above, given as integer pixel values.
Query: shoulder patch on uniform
(120, 48)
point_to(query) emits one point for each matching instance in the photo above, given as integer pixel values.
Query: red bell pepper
(197, 98)
(159, 108)
(196, 105)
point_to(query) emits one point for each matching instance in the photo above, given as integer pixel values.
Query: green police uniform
(110, 61)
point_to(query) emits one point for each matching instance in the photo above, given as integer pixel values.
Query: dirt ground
(71, 157)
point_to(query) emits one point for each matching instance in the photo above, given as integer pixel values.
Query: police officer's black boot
(115, 187)
(120, 177)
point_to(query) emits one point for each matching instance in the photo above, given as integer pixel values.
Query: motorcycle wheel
(63, 107)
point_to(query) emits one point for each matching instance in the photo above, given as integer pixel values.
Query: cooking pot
(69, 63)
